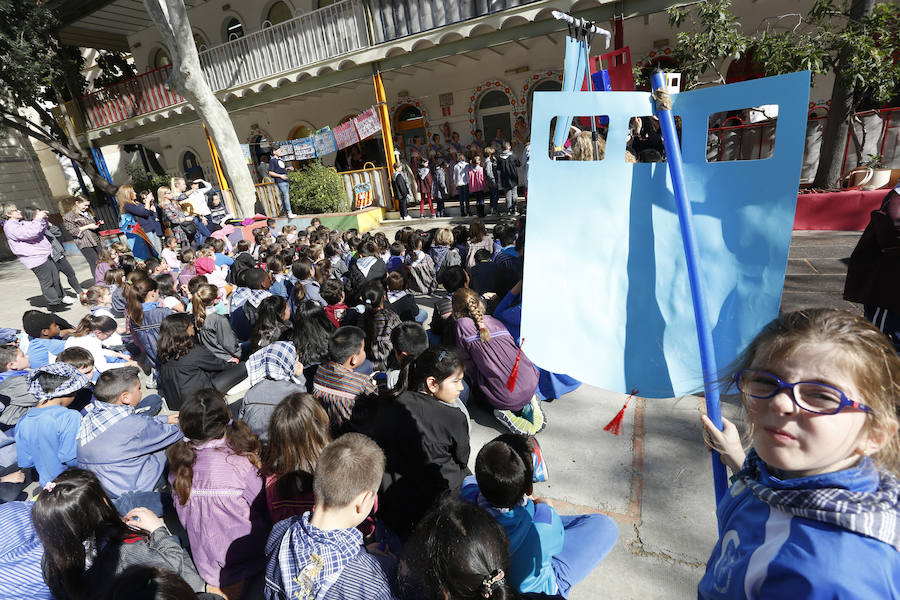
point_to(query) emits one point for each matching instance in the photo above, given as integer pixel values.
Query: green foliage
(875, 162)
(315, 189)
(818, 42)
(114, 67)
(141, 180)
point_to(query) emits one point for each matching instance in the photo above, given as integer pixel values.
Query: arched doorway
(493, 113)
(190, 165)
(409, 124)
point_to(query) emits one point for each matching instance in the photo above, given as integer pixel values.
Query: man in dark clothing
(278, 172)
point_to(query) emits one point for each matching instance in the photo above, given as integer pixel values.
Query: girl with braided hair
(500, 372)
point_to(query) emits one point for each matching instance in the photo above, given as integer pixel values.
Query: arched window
(278, 13)
(548, 85)
(301, 131)
(191, 165)
(408, 113)
(160, 59)
(494, 113)
(200, 42)
(233, 29)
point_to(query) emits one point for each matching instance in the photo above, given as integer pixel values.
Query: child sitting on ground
(188, 271)
(90, 334)
(170, 253)
(425, 439)
(44, 337)
(14, 394)
(402, 302)
(115, 279)
(83, 360)
(378, 321)
(304, 271)
(333, 293)
(321, 554)
(45, 436)
(419, 269)
(274, 373)
(168, 293)
(298, 432)
(218, 493)
(337, 385)
(253, 288)
(481, 274)
(123, 444)
(213, 327)
(549, 553)
(396, 259)
(491, 357)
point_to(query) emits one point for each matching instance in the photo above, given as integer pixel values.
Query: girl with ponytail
(378, 323)
(143, 312)
(218, 493)
(498, 369)
(213, 327)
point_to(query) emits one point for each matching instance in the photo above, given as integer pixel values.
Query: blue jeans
(423, 314)
(149, 500)
(588, 539)
(153, 402)
(495, 195)
(463, 199)
(285, 188)
(202, 231)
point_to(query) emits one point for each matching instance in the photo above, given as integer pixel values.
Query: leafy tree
(36, 70)
(187, 79)
(114, 68)
(316, 189)
(857, 41)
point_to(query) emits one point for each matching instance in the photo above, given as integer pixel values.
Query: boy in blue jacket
(123, 444)
(549, 553)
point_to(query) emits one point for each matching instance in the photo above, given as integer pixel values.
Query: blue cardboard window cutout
(606, 295)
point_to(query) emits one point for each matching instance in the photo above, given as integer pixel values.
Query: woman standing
(27, 241)
(182, 225)
(182, 194)
(80, 224)
(57, 252)
(143, 211)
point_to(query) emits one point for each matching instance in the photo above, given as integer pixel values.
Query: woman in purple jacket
(27, 241)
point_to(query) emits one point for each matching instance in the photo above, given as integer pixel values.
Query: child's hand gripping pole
(685, 219)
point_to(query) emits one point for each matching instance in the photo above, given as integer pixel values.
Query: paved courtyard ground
(654, 478)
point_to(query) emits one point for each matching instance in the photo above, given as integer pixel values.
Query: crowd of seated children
(301, 393)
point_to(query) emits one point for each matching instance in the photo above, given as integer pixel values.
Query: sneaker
(291, 215)
(68, 300)
(529, 421)
(407, 218)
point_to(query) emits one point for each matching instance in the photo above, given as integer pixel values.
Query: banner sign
(304, 149)
(324, 141)
(367, 123)
(345, 135)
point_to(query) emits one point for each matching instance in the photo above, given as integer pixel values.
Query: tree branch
(159, 16)
(31, 130)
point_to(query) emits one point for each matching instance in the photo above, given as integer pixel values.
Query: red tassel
(511, 382)
(614, 425)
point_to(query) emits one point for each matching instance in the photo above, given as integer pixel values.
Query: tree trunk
(188, 80)
(831, 155)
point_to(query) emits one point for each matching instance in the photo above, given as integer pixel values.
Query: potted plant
(870, 174)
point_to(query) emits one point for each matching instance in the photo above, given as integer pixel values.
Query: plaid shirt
(276, 361)
(100, 416)
(337, 388)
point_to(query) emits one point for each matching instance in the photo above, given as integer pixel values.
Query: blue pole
(704, 331)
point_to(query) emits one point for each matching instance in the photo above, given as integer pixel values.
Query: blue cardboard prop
(607, 298)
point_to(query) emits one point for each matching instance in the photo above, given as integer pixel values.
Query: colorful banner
(287, 150)
(345, 135)
(304, 149)
(367, 123)
(324, 141)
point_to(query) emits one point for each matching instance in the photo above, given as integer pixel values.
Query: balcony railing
(393, 19)
(319, 35)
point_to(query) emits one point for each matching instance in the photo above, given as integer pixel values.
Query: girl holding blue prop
(814, 508)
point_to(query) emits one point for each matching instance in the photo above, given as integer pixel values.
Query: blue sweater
(45, 439)
(535, 535)
(764, 552)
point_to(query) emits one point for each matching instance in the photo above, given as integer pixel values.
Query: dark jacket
(181, 377)
(242, 262)
(508, 166)
(426, 444)
(400, 186)
(873, 273)
(145, 218)
(405, 306)
(360, 274)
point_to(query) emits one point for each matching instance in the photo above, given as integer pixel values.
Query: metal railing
(318, 35)
(874, 132)
(379, 180)
(393, 19)
(315, 36)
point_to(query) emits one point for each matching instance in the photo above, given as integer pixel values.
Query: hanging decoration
(517, 104)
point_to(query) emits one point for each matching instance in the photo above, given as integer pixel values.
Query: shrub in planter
(141, 180)
(315, 189)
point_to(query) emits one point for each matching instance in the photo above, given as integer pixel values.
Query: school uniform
(45, 440)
